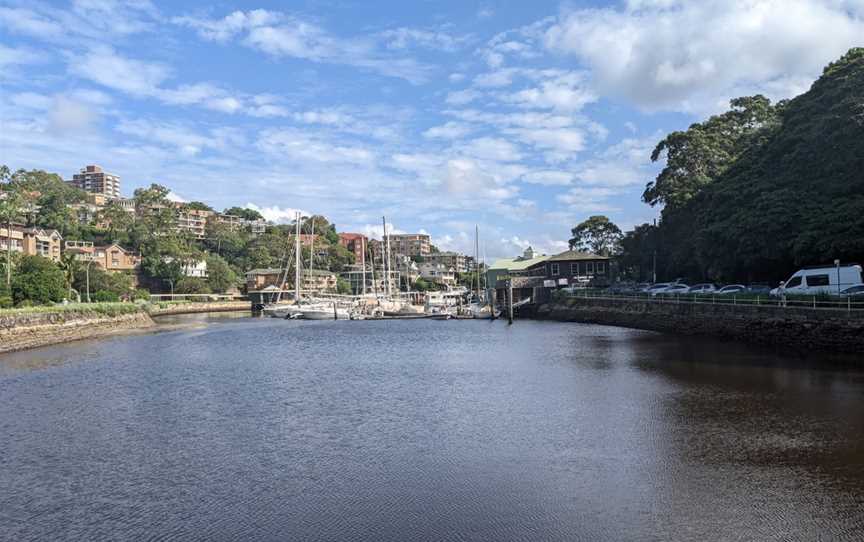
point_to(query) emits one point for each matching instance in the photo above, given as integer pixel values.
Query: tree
(11, 203)
(39, 281)
(343, 286)
(197, 206)
(69, 265)
(638, 251)
(697, 156)
(597, 234)
(192, 285)
(220, 276)
(247, 214)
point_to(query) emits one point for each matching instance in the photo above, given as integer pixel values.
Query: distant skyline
(522, 117)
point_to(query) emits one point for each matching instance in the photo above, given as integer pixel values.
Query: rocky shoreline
(26, 330)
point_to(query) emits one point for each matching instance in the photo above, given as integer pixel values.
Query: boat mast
(385, 261)
(311, 242)
(363, 262)
(477, 258)
(297, 260)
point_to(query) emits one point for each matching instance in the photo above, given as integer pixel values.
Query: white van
(818, 280)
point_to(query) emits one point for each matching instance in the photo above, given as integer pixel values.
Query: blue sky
(522, 117)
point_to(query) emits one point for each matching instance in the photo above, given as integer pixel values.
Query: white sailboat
(480, 309)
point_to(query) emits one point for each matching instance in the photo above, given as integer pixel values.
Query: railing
(847, 304)
(197, 298)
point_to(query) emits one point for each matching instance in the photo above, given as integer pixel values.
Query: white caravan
(819, 280)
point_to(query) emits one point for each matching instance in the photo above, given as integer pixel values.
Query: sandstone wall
(31, 330)
(194, 308)
(828, 329)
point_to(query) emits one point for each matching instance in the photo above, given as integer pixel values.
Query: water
(247, 429)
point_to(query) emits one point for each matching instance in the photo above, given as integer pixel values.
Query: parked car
(676, 288)
(853, 291)
(655, 288)
(732, 289)
(759, 289)
(706, 288)
(822, 279)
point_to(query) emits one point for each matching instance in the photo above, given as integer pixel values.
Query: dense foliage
(597, 234)
(762, 190)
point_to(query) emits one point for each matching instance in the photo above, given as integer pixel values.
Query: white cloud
(490, 148)
(10, 56)
(564, 92)
(103, 65)
(276, 214)
(695, 56)
(462, 97)
(448, 130)
(548, 177)
(69, 116)
(283, 35)
(404, 37)
(304, 146)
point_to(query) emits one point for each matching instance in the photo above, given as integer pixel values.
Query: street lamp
(87, 274)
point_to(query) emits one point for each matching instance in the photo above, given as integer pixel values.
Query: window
(818, 280)
(555, 270)
(574, 269)
(794, 282)
(601, 268)
(589, 268)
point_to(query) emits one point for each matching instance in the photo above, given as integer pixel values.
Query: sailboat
(478, 309)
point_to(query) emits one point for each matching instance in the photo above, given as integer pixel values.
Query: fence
(849, 304)
(197, 298)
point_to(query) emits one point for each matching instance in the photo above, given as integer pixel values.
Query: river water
(251, 429)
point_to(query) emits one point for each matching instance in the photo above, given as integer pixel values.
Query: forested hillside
(763, 189)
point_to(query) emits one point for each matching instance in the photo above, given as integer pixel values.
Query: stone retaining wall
(826, 329)
(195, 308)
(32, 330)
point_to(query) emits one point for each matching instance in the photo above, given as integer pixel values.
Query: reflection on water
(460, 430)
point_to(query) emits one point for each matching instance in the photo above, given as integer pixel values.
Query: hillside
(794, 198)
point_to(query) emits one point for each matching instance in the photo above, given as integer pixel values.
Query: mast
(363, 263)
(477, 258)
(311, 242)
(297, 260)
(385, 260)
(374, 285)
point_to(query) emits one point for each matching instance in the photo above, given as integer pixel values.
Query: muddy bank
(32, 330)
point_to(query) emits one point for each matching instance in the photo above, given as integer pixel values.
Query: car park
(821, 280)
(759, 289)
(706, 288)
(732, 289)
(657, 288)
(673, 289)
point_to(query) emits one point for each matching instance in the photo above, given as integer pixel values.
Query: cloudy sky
(522, 117)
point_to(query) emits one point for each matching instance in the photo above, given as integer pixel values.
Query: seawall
(195, 308)
(32, 330)
(820, 329)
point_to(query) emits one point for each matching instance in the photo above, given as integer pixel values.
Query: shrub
(140, 295)
(38, 281)
(104, 296)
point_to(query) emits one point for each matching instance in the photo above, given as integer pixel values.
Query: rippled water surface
(249, 429)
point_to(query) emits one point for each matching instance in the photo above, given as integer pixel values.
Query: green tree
(697, 156)
(197, 206)
(638, 252)
(38, 281)
(597, 234)
(69, 265)
(248, 214)
(192, 285)
(220, 276)
(11, 211)
(343, 286)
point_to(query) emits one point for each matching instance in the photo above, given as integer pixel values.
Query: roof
(571, 255)
(271, 271)
(517, 264)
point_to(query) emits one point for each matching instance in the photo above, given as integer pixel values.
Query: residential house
(193, 221)
(255, 227)
(259, 279)
(438, 274)
(31, 241)
(113, 258)
(456, 260)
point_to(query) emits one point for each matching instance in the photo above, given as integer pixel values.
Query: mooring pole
(335, 314)
(509, 302)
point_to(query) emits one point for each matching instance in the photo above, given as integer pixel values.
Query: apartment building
(95, 180)
(31, 241)
(193, 221)
(354, 242)
(458, 262)
(255, 227)
(438, 273)
(113, 258)
(410, 244)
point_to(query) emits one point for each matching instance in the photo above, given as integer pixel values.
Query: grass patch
(104, 309)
